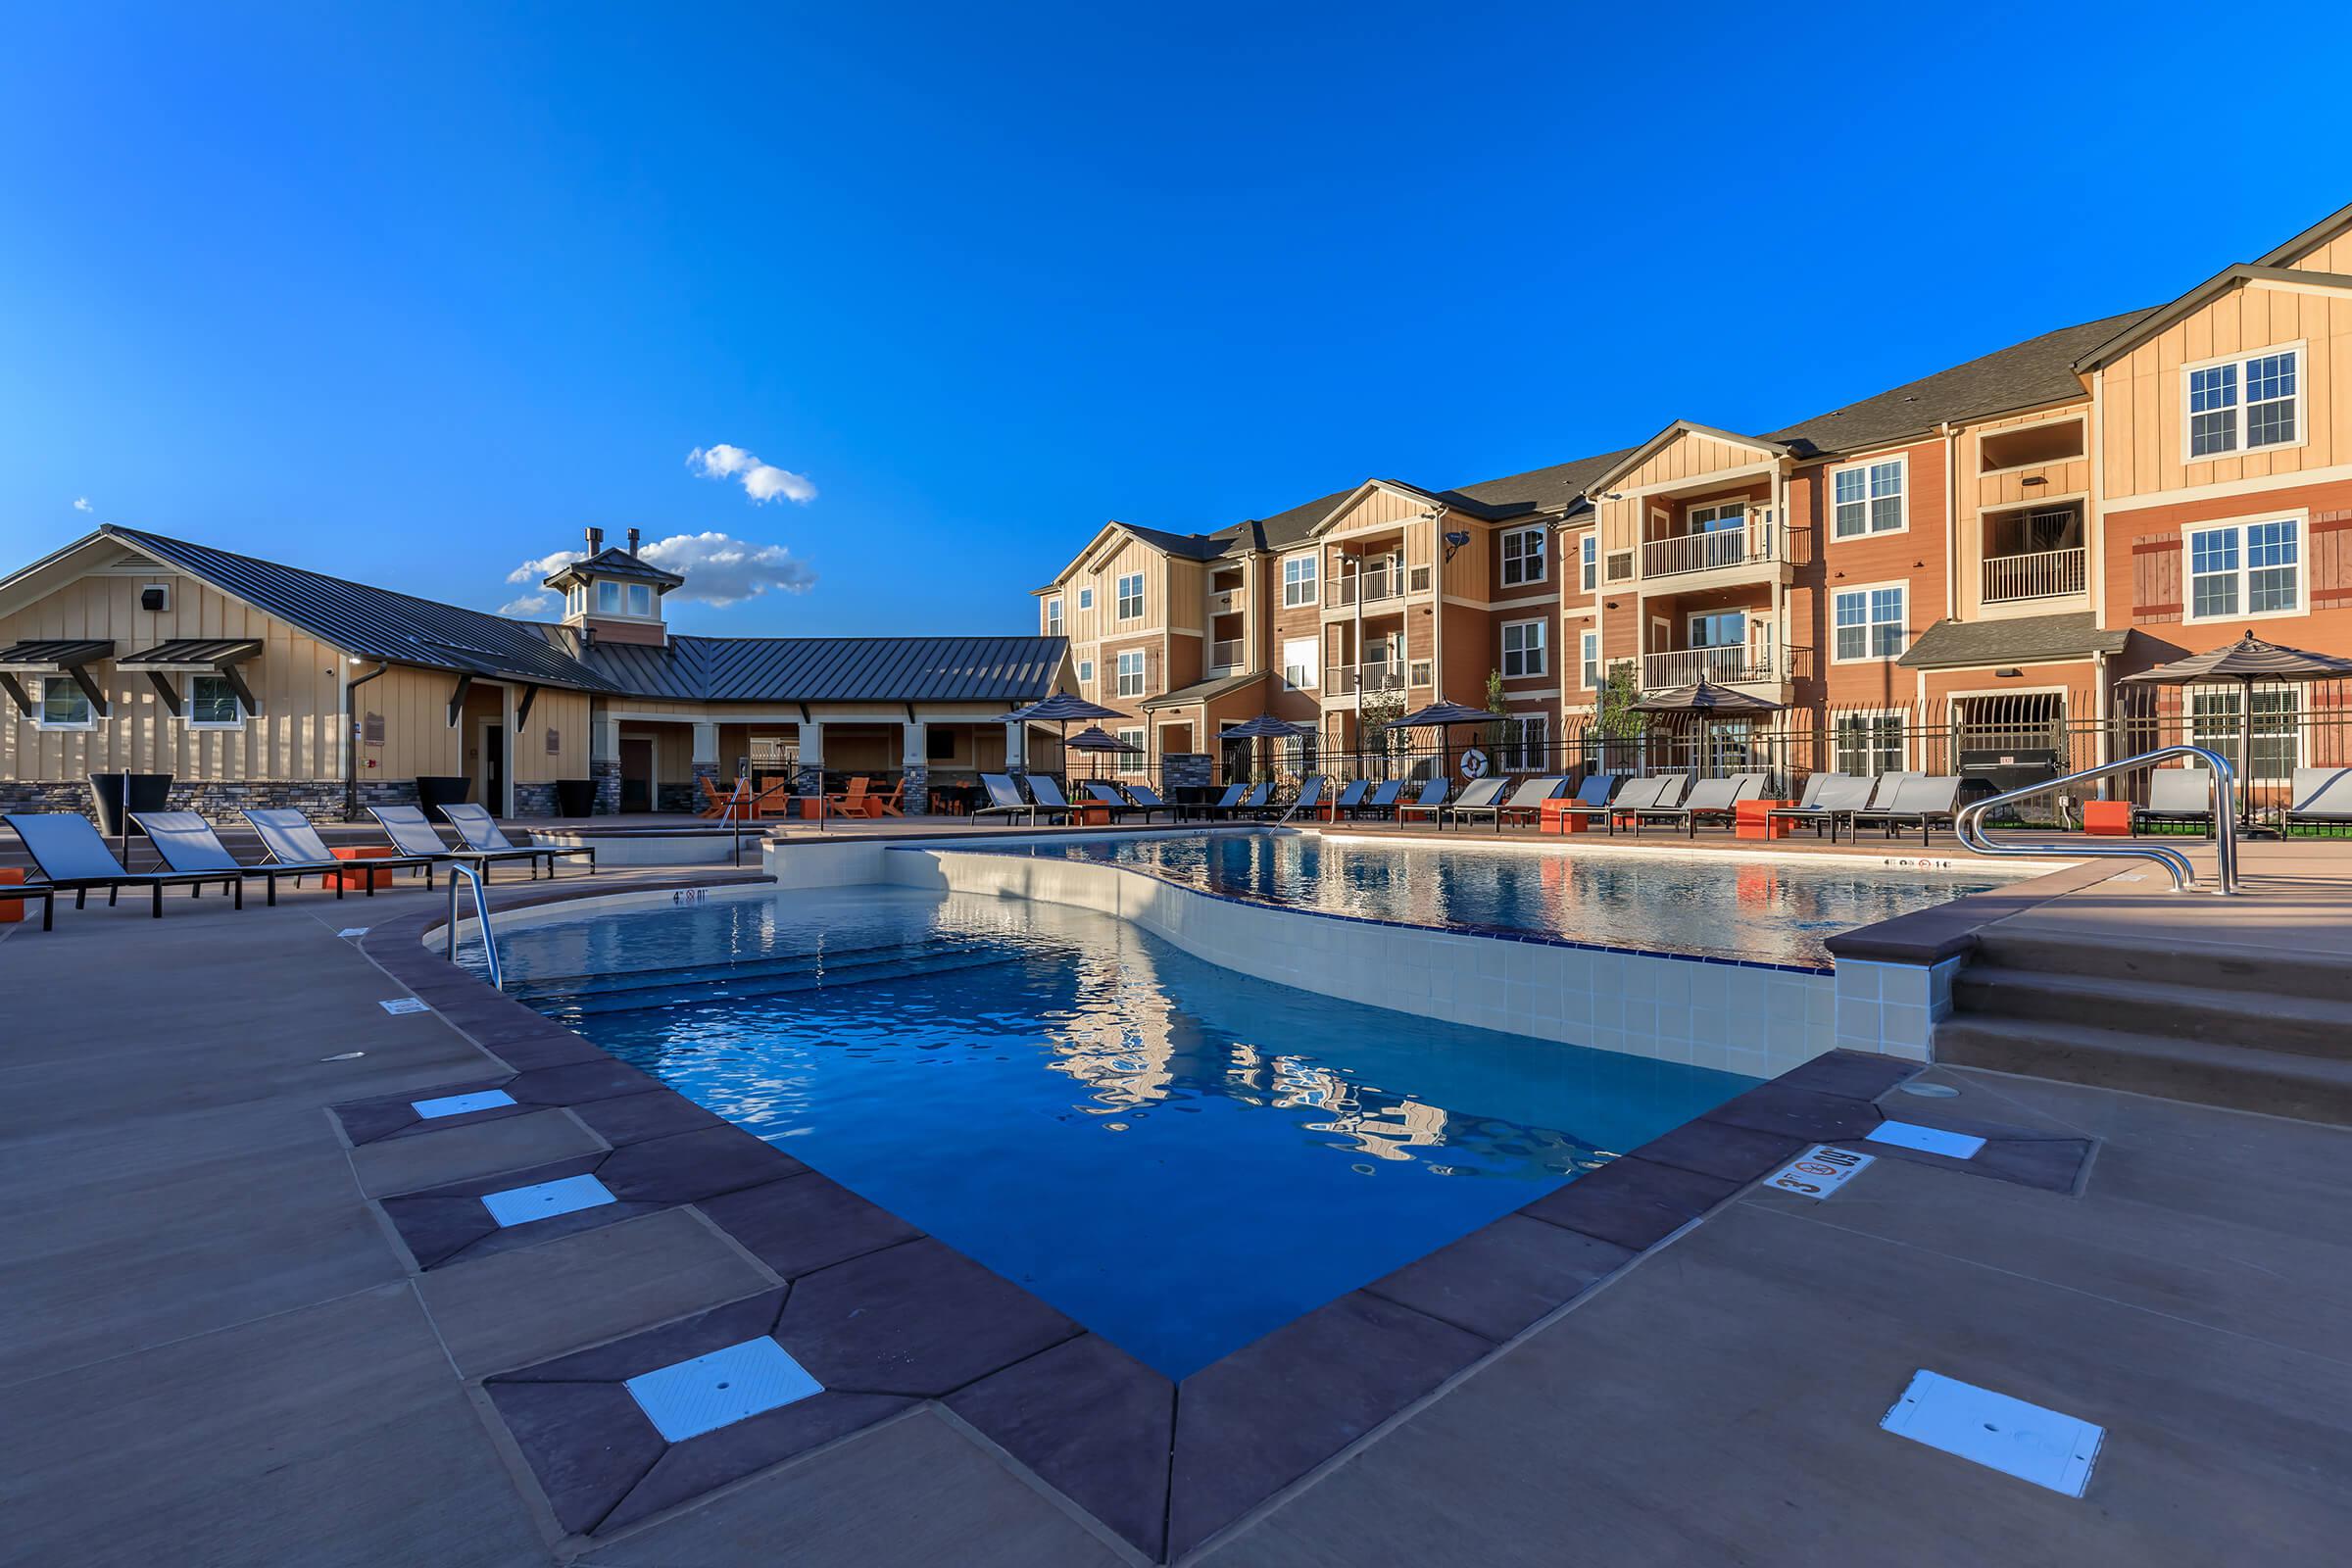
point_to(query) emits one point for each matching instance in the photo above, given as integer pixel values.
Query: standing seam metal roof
(836, 669)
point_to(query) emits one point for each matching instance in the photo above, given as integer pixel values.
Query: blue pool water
(1178, 1156)
(1774, 911)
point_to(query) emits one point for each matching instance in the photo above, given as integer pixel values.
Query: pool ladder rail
(472, 875)
(1968, 826)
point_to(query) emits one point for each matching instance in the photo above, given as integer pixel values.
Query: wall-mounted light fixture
(1455, 541)
(2007, 674)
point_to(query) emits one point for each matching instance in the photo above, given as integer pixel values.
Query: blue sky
(412, 294)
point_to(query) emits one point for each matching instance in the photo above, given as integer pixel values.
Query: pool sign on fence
(1819, 1172)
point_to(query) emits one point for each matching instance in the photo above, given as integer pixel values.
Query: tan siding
(2331, 256)
(1687, 457)
(566, 714)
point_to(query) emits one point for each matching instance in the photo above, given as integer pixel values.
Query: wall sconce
(2007, 674)
(2033, 479)
(1455, 541)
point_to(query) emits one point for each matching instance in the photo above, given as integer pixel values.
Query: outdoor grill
(1995, 770)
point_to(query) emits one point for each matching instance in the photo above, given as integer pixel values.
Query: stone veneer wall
(1187, 770)
(606, 774)
(535, 800)
(219, 803)
(914, 800)
(676, 798)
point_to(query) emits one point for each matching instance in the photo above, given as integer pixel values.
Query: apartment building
(1987, 549)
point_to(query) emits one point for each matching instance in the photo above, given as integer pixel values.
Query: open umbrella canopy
(1705, 698)
(1094, 739)
(1264, 726)
(2249, 659)
(1443, 714)
(1058, 708)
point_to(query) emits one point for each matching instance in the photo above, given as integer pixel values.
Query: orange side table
(1092, 813)
(1558, 816)
(2107, 819)
(12, 909)
(1752, 819)
(350, 881)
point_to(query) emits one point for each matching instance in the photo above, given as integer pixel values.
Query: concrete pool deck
(221, 1350)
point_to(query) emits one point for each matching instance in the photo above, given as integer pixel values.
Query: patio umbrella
(1706, 703)
(2244, 661)
(1265, 726)
(1094, 739)
(1057, 710)
(1441, 718)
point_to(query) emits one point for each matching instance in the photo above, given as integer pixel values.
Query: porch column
(915, 768)
(604, 765)
(810, 778)
(706, 761)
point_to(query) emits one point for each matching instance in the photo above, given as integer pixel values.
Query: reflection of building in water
(1377, 1123)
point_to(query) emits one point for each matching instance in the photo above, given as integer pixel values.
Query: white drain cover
(688, 1398)
(403, 1005)
(1927, 1140)
(1993, 1430)
(519, 1206)
(460, 1105)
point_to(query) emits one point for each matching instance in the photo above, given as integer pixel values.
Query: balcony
(1378, 584)
(1225, 655)
(1339, 679)
(1750, 545)
(1725, 667)
(2043, 575)
(1225, 602)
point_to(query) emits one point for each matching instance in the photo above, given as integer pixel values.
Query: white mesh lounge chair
(1004, 799)
(293, 844)
(1527, 801)
(480, 831)
(2177, 794)
(1839, 795)
(188, 844)
(1478, 798)
(1638, 795)
(1710, 799)
(1883, 790)
(411, 834)
(67, 852)
(2319, 795)
(1921, 801)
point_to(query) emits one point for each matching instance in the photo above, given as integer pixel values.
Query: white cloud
(721, 569)
(761, 482)
(527, 605)
(545, 566)
(81, 502)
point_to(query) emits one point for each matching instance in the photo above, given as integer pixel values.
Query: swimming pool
(1181, 1157)
(1714, 904)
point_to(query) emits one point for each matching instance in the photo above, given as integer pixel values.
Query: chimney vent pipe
(632, 544)
(596, 540)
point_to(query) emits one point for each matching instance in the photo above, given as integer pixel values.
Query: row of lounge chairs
(71, 856)
(2315, 796)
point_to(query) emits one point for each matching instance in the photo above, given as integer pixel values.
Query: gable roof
(835, 670)
(2311, 239)
(378, 622)
(2151, 323)
(1634, 457)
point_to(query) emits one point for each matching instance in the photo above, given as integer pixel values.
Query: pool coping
(1163, 1467)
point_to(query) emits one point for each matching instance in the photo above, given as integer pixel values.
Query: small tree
(1620, 725)
(1377, 713)
(1498, 735)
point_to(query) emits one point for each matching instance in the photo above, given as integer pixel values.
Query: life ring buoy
(1474, 764)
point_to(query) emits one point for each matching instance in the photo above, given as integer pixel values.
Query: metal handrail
(1968, 825)
(481, 914)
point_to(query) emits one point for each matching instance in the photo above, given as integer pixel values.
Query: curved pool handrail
(1968, 825)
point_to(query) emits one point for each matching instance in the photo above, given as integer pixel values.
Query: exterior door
(636, 775)
(494, 769)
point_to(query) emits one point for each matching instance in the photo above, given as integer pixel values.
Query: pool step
(2267, 1019)
(2217, 968)
(841, 959)
(2208, 1071)
(693, 992)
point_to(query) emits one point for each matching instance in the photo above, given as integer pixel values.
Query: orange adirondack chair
(850, 802)
(713, 802)
(887, 803)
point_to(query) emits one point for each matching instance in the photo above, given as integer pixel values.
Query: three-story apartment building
(1984, 550)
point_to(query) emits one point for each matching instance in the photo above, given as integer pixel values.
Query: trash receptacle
(437, 790)
(575, 797)
(117, 795)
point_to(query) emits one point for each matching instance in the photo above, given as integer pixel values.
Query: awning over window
(192, 653)
(55, 656)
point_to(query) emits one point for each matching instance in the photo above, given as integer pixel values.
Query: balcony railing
(1339, 679)
(1379, 583)
(2045, 574)
(1744, 546)
(1226, 654)
(1688, 666)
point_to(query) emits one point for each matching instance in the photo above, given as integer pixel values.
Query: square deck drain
(460, 1105)
(400, 1005)
(519, 1206)
(1927, 1140)
(691, 1397)
(2017, 1439)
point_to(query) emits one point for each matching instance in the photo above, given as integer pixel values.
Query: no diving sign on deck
(1819, 1172)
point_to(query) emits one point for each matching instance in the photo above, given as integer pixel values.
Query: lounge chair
(1479, 798)
(412, 835)
(1118, 805)
(480, 831)
(1883, 790)
(1383, 799)
(1004, 799)
(289, 840)
(1591, 797)
(1147, 800)
(1432, 800)
(1350, 798)
(1310, 794)
(2319, 795)
(2180, 795)
(1638, 795)
(1527, 801)
(1045, 791)
(1250, 805)
(1710, 799)
(1223, 806)
(26, 892)
(1829, 797)
(67, 852)
(188, 844)
(1919, 801)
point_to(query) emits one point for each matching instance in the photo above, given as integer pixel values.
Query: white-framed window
(1131, 761)
(1866, 498)
(1526, 745)
(1299, 663)
(211, 704)
(1298, 581)
(1131, 596)
(1085, 672)
(1522, 557)
(608, 598)
(1867, 624)
(2243, 403)
(1522, 647)
(641, 599)
(1053, 618)
(2244, 569)
(1588, 652)
(65, 704)
(1588, 561)
(576, 600)
(1129, 669)
(2217, 721)
(1085, 599)
(1866, 744)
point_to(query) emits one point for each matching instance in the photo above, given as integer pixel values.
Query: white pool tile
(460, 1105)
(519, 1206)
(688, 1398)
